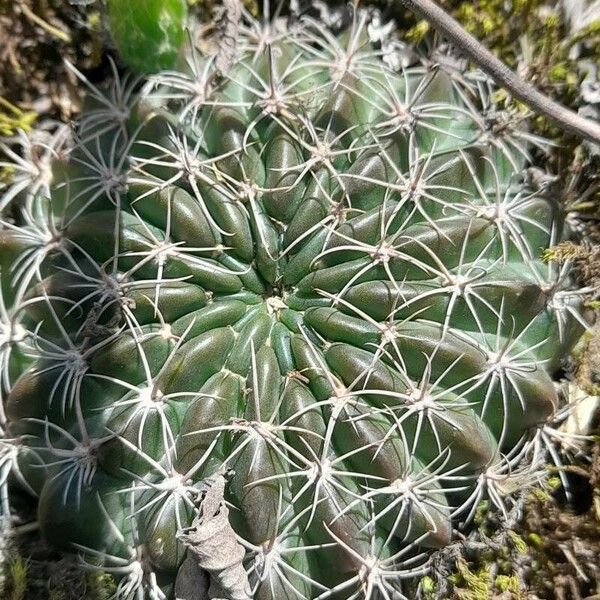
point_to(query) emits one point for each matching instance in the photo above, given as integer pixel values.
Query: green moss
(12, 118)
(590, 34)
(517, 541)
(553, 483)
(481, 512)
(53, 580)
(416, 33)
(101, 585)
(506, 583)
(540, 494)
(535, 540)
(470, 585)
(6, 174)
(427, 586)
(17, 579)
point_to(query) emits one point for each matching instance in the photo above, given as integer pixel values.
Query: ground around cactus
(551, 547)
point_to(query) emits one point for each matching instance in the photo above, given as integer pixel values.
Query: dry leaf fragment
(227, 29)
(213, 550)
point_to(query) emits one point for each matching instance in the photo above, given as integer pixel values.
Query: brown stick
(471, 47)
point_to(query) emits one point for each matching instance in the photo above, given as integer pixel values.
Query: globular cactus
(312, 271)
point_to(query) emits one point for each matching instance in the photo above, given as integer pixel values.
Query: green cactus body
(316, 272)
(147, 33)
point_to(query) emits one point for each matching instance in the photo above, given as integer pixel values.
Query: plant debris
(213, 549)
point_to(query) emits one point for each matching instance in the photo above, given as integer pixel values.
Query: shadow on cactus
(315, 271)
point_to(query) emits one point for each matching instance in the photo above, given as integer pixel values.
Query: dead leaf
(227, 29)
(214, 554)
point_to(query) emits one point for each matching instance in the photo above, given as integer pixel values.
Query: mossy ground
(37, 35)
(552, 549)
(55, 580)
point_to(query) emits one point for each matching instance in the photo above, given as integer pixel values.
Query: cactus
(313, 271)
(147, 33)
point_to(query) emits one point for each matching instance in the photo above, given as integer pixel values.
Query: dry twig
(495, 68)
